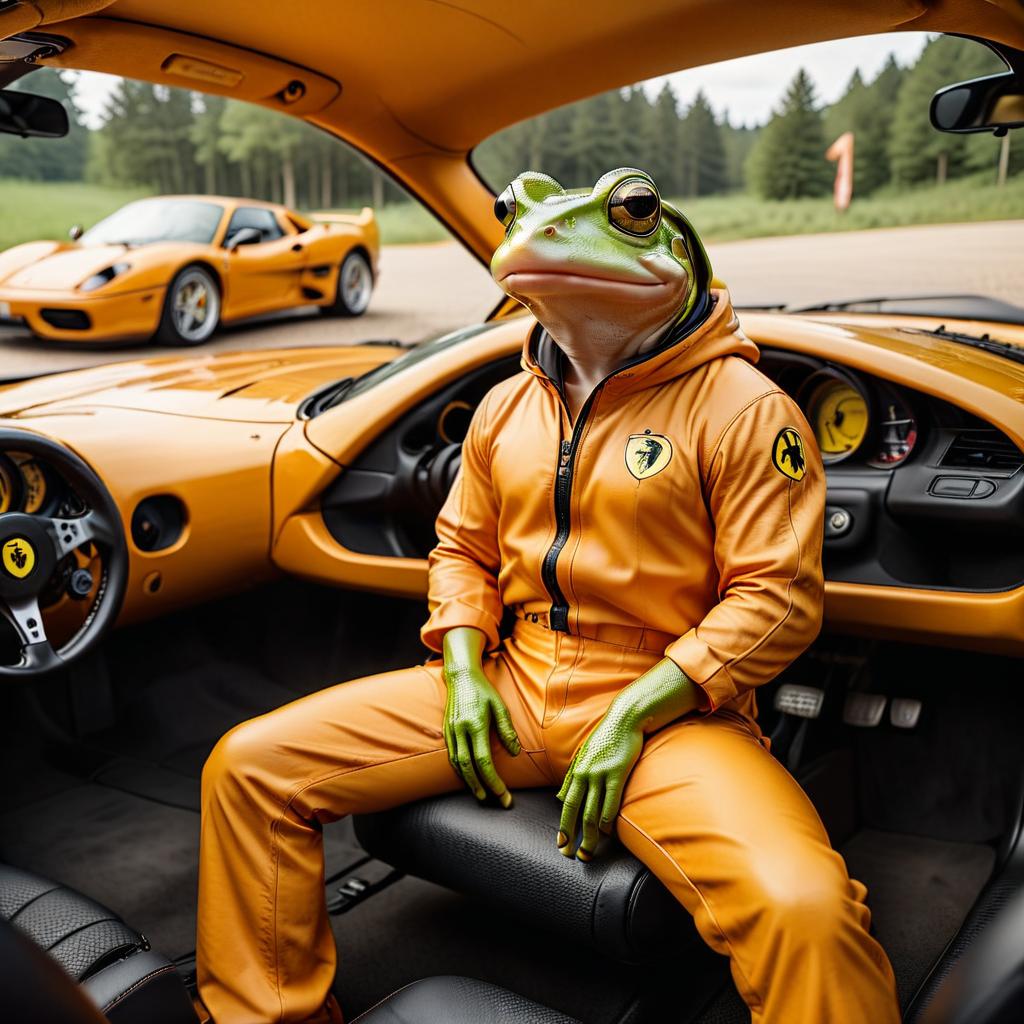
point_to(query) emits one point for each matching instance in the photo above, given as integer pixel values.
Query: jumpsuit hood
(717, 334)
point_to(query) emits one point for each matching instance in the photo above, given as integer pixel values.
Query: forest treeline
(171, 140)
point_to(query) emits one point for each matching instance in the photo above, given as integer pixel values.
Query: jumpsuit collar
(711, 332)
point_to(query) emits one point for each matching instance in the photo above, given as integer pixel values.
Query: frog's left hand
(598, 773)
(595, 781)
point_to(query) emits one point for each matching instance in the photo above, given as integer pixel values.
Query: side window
(253, 217)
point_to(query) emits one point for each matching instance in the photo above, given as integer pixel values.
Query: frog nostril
(549, 231)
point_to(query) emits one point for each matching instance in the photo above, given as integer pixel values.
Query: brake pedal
(904, 712)
(864, 710)
(799, 701)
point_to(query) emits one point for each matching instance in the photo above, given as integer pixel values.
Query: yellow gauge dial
(6, 489)
(35, 485)
(838, 413)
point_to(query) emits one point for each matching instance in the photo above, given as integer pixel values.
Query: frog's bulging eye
(635, 207)
(505, 207)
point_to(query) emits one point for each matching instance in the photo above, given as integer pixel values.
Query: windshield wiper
(956, 307)
(983, 341)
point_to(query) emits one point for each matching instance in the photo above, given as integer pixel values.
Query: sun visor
(24, 15)
(176, 59)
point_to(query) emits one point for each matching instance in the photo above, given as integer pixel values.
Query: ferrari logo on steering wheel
(19, 557)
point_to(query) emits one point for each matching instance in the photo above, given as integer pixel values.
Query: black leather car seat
(509, 858)
(114, 965)
(455, 1000)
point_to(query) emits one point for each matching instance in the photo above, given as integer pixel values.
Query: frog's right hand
(473, 704)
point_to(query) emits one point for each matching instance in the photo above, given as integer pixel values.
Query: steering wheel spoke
(70, 534)
(37, 653)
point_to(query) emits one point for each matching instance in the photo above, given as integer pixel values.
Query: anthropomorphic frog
(646, 509)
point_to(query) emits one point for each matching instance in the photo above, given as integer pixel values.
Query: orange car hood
(263, 386)
(65, 269)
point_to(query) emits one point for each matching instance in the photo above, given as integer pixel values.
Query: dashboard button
(953, 486)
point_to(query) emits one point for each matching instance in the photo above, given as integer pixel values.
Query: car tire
(192, 291)
(355, 287)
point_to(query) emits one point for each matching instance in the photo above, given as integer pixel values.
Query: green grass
(726, 218)
(30, 210)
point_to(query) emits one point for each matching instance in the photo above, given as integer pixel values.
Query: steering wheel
(32, 547)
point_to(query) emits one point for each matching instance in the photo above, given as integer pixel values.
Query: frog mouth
(652, 273)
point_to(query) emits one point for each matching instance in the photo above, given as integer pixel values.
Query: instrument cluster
(29, 485)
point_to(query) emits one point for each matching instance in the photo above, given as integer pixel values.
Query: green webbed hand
(473, 705)
(597, 776)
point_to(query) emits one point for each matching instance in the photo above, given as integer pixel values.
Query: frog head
(611, 262)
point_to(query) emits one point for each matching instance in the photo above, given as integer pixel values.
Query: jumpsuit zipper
(558, 618)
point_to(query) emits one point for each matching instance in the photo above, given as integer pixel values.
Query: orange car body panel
(299, 268)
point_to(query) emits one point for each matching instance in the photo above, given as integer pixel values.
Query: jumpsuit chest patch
(788, 454)
(647, 454)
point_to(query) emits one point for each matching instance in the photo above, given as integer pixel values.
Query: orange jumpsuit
(680, 516)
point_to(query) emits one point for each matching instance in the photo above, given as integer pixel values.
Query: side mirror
(244, 236)
(994, 103)
(32, 117)
(75, 232)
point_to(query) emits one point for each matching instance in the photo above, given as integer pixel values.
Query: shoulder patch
(788, 454)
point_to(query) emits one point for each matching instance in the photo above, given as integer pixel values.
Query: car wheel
(355, 286)
(191, 308)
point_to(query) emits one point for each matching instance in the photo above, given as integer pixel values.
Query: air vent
(983, 449)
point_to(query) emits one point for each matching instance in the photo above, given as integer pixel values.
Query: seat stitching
(142, 981)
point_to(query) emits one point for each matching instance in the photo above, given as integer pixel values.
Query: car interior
(249, 536)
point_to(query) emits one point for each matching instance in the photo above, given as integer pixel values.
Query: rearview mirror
(994, 103)
(244, 236)
(39, 117)
(75, 232)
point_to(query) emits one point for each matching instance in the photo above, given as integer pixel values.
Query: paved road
(425, 290)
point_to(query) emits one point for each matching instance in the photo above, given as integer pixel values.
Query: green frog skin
(608, 272)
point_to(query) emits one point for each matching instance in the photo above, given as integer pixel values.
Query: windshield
(158, 220)
(812, 174)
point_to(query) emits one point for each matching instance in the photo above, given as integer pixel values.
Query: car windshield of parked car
(158, 220)
(813, 174)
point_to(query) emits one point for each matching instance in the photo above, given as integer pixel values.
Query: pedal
(799, 701)
(864, 710)
(904, 712)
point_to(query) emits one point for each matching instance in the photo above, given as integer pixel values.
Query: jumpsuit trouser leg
(707, 808)
(265, 952)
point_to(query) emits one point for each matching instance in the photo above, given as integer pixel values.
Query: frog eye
(635, 207)
(505, 207)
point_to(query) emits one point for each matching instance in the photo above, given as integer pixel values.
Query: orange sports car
(173, 268)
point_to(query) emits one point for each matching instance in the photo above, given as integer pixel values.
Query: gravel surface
(425, 290)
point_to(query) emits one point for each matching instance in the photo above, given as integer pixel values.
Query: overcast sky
(747, 88)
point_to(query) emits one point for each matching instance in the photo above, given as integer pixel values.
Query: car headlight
(103, 277)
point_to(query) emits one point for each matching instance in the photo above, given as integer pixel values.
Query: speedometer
(34, 479)
(837, 411)
(10, 486)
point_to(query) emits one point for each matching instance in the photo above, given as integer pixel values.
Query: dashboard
(920, 492)
(30, 485)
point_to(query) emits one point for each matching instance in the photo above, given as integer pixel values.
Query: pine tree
(702, 150)
(788, 161)
(661, 144)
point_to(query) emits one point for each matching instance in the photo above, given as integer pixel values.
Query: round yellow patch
(647, 454)
(19, 557)
(788, 455)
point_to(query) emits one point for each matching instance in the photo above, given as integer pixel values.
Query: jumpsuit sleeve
(768, 535)
(463, 581)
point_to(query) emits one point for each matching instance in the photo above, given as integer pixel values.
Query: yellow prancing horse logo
(19, 557)
(788, 454)
(647, 454)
